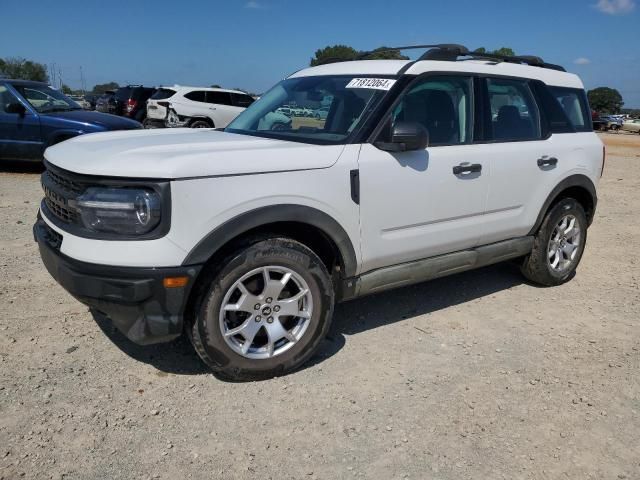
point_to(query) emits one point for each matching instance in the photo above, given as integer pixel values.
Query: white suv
(245, 238)
(196, 107)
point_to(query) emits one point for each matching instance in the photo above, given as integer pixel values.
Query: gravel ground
(476, 376)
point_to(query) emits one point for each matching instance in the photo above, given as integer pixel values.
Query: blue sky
(254, 43)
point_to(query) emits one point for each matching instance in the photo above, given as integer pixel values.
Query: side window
(240, 100)
(574, 104)
(442, 105)
(196, 96)
(514, 113)
(219, 98)
(6, 97)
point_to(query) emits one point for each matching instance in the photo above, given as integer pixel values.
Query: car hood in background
(186, 153)
(83, 117)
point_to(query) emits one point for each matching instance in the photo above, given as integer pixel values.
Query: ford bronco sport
(245, 238)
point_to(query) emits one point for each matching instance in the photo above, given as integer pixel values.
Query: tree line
(601, 99)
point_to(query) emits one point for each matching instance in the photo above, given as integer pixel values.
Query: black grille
(65, 214)
(60, 191)
(64, 182)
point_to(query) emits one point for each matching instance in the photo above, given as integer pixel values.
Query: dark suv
(131, 101)
(33, 116)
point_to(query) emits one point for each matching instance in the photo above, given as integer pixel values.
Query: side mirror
(406, 136)
(15, 107)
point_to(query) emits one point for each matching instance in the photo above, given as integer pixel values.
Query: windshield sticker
(373, 83)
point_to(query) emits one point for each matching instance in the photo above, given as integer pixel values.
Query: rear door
(225, 111)
(527, 161)
(20, 136)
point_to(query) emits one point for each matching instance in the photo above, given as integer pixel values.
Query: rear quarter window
(196, 96)
(574, 103)
(163, 93)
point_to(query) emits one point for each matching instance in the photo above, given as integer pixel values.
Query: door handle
(467, 168)
(547, 161)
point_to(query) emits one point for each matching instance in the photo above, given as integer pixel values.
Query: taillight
(604, 156)
(131, 105)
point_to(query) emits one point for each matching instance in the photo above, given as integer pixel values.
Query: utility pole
(82, 85)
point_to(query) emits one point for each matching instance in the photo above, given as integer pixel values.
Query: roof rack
(451, 52)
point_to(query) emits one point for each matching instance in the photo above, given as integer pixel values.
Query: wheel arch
(61, 135)
(579, 187)
(309, 225)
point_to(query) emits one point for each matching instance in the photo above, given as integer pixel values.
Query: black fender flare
(258, 217)
(577, 180)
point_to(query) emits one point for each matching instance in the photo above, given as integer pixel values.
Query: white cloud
(582, 61)
(254, 5)
(615, 7)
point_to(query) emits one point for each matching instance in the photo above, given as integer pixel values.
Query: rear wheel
(200, 124)
(264, 312)
(558, 245)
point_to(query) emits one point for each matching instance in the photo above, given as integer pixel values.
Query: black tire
(536, 266)
(200, 124)
(207, 336)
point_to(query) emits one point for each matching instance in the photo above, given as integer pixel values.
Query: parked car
(131, 101)
(632, 126)
(92, 98)
(322, 113)
(106, 103)
(196, 107)
(246, 237)
(34, 116)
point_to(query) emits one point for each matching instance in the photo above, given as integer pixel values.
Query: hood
(84, 118)
(174, 153)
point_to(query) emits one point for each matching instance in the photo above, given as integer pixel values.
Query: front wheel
(558, 245)
(264, 312)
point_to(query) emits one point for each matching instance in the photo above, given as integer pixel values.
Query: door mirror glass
(15, 107)
(405, 137)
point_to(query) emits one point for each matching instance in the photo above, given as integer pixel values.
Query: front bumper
(134, 298)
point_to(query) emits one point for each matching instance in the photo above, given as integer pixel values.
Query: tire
(538, 265)
(264, 358)
(200, 124)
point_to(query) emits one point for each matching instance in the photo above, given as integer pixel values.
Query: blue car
(33, 116)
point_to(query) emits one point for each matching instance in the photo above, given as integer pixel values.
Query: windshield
(323, 109)
(45, 99)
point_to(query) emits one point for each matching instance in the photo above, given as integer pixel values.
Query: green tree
(336, 53)
(66, 89)
(506, 51)
(103, 87)
(605, 100)
(385, 53)
(500, 51)
(23, 69)
(216, 86)
(344, 53)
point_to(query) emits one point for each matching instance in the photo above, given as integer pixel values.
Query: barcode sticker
(372, 83)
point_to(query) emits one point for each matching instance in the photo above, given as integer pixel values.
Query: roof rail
(451, 52)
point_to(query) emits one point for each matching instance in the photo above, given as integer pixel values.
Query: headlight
(125, 211)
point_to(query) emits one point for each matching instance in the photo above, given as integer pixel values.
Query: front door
(20, 137)
(420, 204)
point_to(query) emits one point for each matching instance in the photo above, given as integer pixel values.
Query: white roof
(392, 67)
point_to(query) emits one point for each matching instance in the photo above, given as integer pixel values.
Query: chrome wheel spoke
(245, 303)
(276, 331)
(273, 288)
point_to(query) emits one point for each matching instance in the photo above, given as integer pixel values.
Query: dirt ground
(475, 376)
